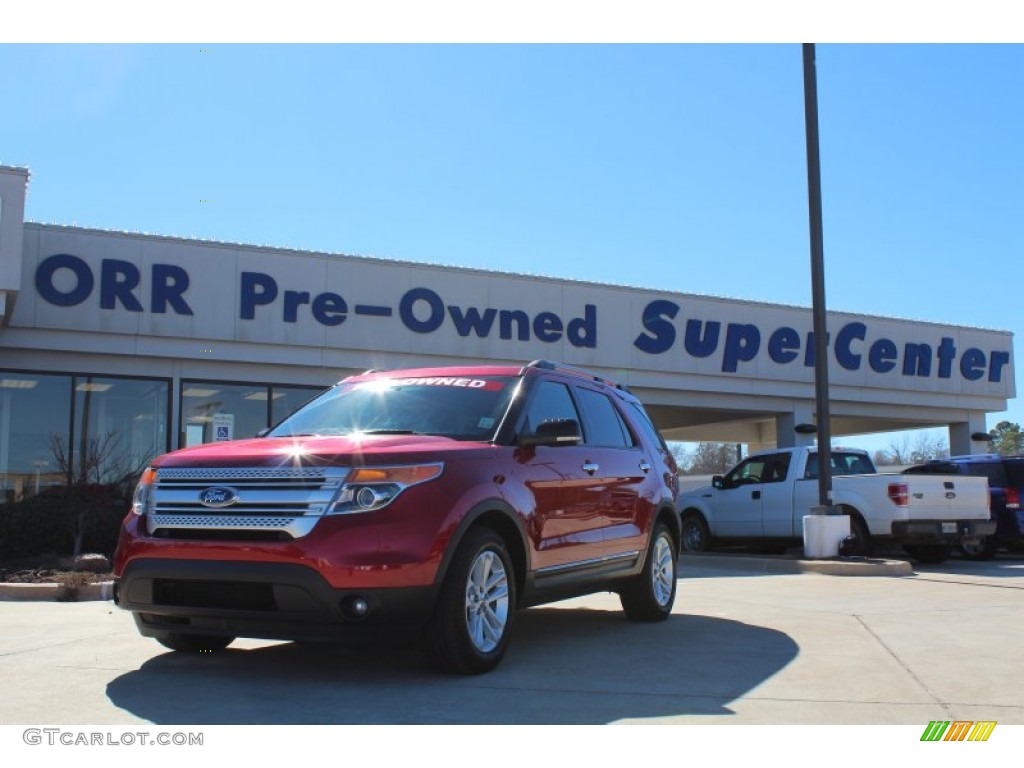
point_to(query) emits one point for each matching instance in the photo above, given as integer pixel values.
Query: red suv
(442, 498)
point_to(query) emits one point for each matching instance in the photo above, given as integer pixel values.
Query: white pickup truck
(764, 498)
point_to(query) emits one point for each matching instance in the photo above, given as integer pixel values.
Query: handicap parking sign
(223, 426)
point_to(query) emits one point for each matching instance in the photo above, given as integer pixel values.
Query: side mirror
(717, 482)
(554, 432)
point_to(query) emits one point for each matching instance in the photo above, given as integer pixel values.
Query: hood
(696, 491)
(320, 451)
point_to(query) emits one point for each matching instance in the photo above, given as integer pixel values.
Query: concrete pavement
(745, 645)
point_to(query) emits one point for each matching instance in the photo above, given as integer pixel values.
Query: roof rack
(549, 365)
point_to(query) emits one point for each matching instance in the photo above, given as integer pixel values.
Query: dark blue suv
(1005, 487)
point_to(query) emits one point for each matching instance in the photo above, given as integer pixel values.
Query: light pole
(817, 282)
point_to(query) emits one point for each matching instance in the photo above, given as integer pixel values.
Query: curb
(782, 564)
(101, 590)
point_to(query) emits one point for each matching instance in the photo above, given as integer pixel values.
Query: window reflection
(213, 411)
(35, 413)
(120, 424)
(286, 400)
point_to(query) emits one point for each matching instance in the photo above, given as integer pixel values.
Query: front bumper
(951, 531)
(280, 601)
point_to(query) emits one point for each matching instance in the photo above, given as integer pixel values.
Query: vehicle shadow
(1005, 565)
(564, 666)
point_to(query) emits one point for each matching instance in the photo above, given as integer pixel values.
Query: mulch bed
(51, 576)
(49, 569)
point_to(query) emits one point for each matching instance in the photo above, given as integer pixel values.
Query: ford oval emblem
(218, 497)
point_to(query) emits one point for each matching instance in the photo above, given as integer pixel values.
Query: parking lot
(749, 643)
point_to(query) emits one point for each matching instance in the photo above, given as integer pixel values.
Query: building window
(120, 425)
(60, 430)
(35, 417)
(286, 400)
(212, 411)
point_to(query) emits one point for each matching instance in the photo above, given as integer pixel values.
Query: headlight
(370, 488)
(143, 492)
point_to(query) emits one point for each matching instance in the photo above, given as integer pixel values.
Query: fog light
(354, 608)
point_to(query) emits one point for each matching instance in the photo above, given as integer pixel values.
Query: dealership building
(117, 346)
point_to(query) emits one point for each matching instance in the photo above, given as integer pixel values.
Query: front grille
(287, 500)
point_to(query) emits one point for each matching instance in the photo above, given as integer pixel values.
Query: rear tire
(472, 621)
(929, 554)
(985, 549)
(863, 546)
(649, 596)
(194, 643)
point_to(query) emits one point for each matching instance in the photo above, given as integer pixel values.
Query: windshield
(459, 408)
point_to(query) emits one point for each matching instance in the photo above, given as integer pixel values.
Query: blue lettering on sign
(420, 310)
(433, 306)
(783, 345)
(740, 347)
(118, 283)
(65, 280)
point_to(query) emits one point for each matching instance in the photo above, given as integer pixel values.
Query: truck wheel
(929, 554)
(649, 595)
(694, 534)
(472, 621)
(980, 549)
(194, 643)
(862, 544)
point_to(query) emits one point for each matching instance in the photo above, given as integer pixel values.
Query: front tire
(695, 534)
(651, 594)
(472, 621)
(929, 554)
(194, 643)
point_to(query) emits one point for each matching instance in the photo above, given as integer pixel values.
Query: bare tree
(899, 451)
(99, 461)
(882, 458)
(928, 447)
(711, 458)
(924, 447)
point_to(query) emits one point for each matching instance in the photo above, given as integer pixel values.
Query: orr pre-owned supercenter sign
(607, 325)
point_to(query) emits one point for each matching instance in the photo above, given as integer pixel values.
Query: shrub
(77, 519)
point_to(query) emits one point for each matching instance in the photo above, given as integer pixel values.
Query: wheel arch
(855, 514)
(501, 518)
(694, 510)
(667, 514)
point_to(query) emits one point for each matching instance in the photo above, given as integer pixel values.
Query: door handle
(755, 495)
(590, 467)
(645, 467)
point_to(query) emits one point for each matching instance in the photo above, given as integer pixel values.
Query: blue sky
(679, 167)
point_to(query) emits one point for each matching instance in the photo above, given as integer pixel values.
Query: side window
(993, 471)
(842, 464)
(648, 427)
(749, 472)
(550, 400)
(858, 465)
(811, 470)
(778, 468)
(605, 424)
